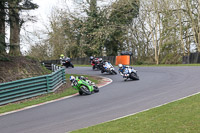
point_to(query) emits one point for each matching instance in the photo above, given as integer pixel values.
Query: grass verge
(182, 116)
(43, 98)
(77, 65)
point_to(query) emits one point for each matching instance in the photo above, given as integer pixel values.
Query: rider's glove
(121, 73)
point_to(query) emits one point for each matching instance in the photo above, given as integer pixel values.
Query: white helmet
(72, 78)
(120, 65)
(91, 57)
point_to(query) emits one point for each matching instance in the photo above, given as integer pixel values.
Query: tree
(193, 13)
(15, 7)
(2, 27)
(12, 9)
(99, 31)
(121, 16)
(15, 26)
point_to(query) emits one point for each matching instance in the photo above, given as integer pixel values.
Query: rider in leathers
(121, 69)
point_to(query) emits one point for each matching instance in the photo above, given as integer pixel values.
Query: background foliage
(156, 31)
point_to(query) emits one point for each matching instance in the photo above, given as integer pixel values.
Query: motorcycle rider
(104, 63)
(67, 62)
(91, 59)
(100, 63)
(82, 78)
(100, 59)
(62, 57)
(72, 79)
(121, 69)
(126, 69)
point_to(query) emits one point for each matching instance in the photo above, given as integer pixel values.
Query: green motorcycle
(83, 85)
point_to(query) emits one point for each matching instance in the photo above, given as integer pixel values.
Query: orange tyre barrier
(123, 59)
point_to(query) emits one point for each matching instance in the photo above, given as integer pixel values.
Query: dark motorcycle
(95, 64)
(67, 63)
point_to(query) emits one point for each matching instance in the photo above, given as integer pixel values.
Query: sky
(42, 15)
(44, 11)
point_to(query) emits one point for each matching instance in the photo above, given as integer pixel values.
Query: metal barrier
(78, 61)
(51, 67)
(30, 87)
(192, 58)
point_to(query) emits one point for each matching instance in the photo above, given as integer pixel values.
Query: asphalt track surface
(157, 86)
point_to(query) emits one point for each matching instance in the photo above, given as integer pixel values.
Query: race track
(157, 86)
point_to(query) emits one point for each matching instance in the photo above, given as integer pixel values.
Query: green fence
(30, 87)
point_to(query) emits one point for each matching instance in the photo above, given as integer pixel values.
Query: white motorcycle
(129, 72)
(108, 67)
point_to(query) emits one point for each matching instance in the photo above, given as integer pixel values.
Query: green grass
(182, 116)
(77, 65)
(44, 98)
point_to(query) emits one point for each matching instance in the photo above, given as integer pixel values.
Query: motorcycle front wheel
(93, 67)
(72, 65)
(96, 89)
(85, 90)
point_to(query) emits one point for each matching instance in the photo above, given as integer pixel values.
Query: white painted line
(107, 82)
(37, 105)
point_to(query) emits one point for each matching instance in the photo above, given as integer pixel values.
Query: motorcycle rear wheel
(80, 93)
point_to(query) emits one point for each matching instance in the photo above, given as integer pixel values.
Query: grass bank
(182, 116)
(43, 98)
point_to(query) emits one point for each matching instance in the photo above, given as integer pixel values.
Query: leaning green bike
(83, 85)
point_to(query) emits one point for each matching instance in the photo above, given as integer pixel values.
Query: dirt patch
(15, 68)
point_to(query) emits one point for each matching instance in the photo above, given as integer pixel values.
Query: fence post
(52, 67)
(63, 75)
(48, 88)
